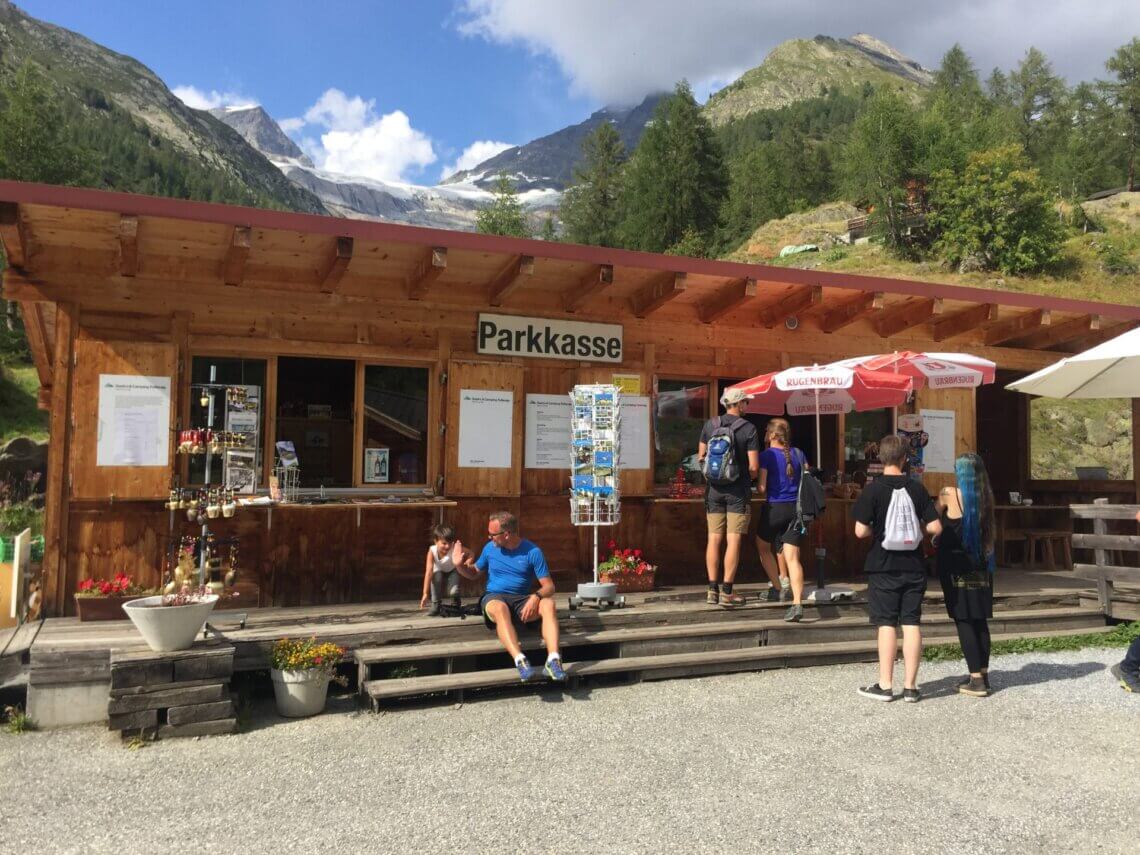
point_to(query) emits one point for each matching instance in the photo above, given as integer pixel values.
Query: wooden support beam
(35, 329)
(656, 293)
(736, 294)
(57, 493)
(1106, 332)
(847, 313)
(594, 282)
(1008, 328)
(128, 245)
(429, 268)
(957, 323)
(233, 266)
(1060, 333)
(336, 265)
(899, 318)
(802, 298)
(12, 234)
(508, 280)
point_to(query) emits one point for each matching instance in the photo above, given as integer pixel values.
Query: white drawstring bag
(903, 531)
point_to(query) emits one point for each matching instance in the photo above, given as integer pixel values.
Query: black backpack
(452, 610)
(810, 499)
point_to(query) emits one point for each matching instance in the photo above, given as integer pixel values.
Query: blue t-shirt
(781, 488)
(512, 571)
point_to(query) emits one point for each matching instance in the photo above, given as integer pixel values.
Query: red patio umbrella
(819, 389)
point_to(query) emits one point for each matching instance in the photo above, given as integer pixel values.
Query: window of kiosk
(1083, 440)
(227, 396)
(861, 435)
(680, 408)
(315, 414)
(395, 425)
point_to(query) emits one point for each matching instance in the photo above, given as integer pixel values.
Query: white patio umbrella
(1109, 370)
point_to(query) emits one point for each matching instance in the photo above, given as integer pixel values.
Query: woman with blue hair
(966, 565)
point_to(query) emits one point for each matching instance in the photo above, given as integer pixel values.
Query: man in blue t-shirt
(513, 566)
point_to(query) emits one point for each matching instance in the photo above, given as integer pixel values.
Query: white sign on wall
(939, 452)
(134, 421)
(548, 432)
(486, 426)
(510, 335)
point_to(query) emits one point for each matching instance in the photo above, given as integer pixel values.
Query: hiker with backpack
(514, 566)
(894, 511)
(729, 453)
(780, 533)
(966, 564)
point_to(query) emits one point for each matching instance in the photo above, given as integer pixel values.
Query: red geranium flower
(86, 584)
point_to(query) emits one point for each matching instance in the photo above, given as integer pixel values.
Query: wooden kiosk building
(370, 343)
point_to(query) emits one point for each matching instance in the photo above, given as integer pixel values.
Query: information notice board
(486, 424)
(547, 434)
(134, 421)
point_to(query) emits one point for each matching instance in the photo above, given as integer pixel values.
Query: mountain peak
(800, 69)
(262, 132)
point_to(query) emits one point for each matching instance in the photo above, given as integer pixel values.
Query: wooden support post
(336, 265)
(430, 267)
(799, 300)
(594, 282)
(180, 335)
(358, 430)
(128, 245)
(57, 495)
(656, 293)
(269, 402)
(1103, 583)
(36, 331)
(510, 278)
(233, 265)
(728, 298)
(12, 235)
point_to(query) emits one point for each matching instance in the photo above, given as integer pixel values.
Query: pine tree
(33, 144)
(676, 180)
(504, 214)
(589, 209)
(1038, 97)
(1124, 94)
(879, 160)
(548, 232)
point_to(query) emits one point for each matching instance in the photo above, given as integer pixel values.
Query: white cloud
(358, 141)
(197, 99)
(619, 52)
(473, 155)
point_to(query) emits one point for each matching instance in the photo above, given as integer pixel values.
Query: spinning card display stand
(595, 491)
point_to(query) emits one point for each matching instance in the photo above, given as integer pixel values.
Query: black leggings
(974, 636)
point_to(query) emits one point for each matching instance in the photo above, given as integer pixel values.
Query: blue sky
(403, 89)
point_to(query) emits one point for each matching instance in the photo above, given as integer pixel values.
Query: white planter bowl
(300, 693)
(168, 627)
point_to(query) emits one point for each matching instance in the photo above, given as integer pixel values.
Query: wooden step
(745, 631)
(672, 665)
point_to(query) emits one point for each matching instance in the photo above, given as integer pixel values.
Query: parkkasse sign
(509, 335)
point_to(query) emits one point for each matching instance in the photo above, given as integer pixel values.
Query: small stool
(1048, 538)
(1015, 537)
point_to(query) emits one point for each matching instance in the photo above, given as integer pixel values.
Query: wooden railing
(1103, 572)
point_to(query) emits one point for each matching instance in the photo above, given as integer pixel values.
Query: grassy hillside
(18, 413)
(1067, 434)
(1096, 264)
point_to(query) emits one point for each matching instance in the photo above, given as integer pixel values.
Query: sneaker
(773, 594)
(975, 688)
(526, 670)
(434, 610)
(786, 594)
(1128, 682)
(794, 614)
(554, 670)
(712, 597)
(730, 601)
(877, 693)
(912, 696)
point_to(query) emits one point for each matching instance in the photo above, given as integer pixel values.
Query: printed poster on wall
(911, 431)
(547, 435)
(486, 419)
(548, 432)
(939, 427)
(134, 421)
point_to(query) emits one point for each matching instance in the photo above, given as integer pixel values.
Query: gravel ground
(768, 762)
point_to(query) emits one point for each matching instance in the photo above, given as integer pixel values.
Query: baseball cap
(734, 396)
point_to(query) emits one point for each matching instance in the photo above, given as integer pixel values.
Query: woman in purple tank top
(778, 536)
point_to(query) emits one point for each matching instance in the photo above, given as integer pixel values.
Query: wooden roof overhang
(258, 271)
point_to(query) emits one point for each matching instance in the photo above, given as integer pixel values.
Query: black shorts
(778, 525)
(731, 500)
(515, 603)
(895, 599)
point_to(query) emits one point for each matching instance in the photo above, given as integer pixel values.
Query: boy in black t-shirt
(896, 580)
